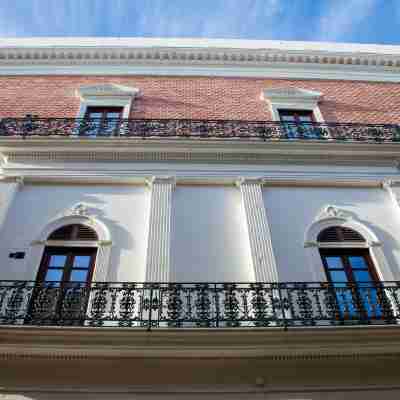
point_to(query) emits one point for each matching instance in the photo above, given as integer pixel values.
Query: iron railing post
(216, 306)
(282, 305)
(149, 320)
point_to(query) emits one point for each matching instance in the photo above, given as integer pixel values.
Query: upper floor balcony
(154, 305)
(81, 128)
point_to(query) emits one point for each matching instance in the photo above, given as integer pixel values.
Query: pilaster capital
(161, 179)
(249, 181)
(19, 180)
(387, 184)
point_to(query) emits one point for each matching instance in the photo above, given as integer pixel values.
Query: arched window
(74, 232)
(64, 276)
(339, 234)
(352, 274)
(63, 263)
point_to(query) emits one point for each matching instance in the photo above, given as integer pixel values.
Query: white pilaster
(8, 190)
(393, 188)
(159, 239)
(263, 258)
(102, 261)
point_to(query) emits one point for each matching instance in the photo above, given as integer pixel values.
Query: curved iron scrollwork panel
(198, 129)
(199, 305)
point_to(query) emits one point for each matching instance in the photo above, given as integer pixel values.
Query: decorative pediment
(107, 89)
(283, 95)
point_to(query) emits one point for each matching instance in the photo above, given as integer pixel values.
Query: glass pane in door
(306, 125)
(334, 262)
(61, 292)
(81, 261)
(366, 287)
(111, 122)
(289, 124)
(93, 123)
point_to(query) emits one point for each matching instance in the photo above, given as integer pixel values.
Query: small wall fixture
(18, 255)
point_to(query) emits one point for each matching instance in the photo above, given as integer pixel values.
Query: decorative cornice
(226, 53)
(197, 178)
(284, 95)
(315, 343)
(221, 151)
(212, 54)
(106, 90)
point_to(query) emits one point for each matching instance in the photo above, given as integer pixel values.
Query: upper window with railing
(102, 121)
(298, 123)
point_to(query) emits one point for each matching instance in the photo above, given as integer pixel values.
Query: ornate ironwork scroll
(199, 305)
(198, 129)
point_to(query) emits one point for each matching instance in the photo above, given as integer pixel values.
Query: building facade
(199, 218)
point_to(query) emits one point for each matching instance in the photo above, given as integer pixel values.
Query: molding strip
(159, 238)
(8, 191)
(286, 71)
(259, 234)
(184, 57)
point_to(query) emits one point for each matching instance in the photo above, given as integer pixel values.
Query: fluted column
(159, 239)
(259, 234)
(8, 190)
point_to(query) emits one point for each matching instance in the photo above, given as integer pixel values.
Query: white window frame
(292, 99)
(103, 244)
(327, 219)
(107, 95)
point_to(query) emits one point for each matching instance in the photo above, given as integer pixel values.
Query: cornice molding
(278, 95)
(221, 151)
(141, 179)
(106, 90)
(219, 389)
(63, 343)
(376, 62)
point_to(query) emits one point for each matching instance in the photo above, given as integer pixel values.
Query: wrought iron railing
(198, 305)
(190, 128)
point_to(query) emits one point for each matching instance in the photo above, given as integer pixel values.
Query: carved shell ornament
(331, 211)
(82, 210)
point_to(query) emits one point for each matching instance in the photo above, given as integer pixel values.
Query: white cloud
(342, 17)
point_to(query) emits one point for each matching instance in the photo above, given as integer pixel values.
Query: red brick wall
(200, 97)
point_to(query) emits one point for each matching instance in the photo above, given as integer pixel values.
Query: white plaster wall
(209, 240)
(209, 236)
(123, 209)
(291, 210)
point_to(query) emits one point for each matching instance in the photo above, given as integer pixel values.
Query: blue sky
(362, 21)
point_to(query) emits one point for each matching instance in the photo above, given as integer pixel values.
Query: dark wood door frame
(62, 288)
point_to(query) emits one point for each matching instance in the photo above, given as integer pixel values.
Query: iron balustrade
(198, 305)
(190, 128)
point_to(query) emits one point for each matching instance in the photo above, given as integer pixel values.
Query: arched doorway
(350, 270)
(63, 280)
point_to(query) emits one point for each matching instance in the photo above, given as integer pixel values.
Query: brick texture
(200, 97)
